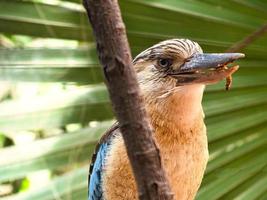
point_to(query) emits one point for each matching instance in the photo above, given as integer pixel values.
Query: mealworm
(228, 82)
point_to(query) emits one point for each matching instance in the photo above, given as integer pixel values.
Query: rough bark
(121, 81)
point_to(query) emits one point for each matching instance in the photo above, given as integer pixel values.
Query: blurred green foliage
(54, 106)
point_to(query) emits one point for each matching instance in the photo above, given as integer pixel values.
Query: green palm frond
(78, 106)
(236, 120)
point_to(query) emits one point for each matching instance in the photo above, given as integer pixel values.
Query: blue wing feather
(95, 185)
(97, 165)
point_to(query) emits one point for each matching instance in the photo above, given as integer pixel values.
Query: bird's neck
(178, 114)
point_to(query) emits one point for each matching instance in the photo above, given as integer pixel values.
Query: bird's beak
(206, 68)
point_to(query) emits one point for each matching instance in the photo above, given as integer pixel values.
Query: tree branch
(247, 40)
(241, 45)
(121, 81)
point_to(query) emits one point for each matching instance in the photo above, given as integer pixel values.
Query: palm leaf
(236, 120)
(78, 106)
(50, 153)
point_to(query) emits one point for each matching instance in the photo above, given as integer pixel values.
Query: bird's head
(179, 69)
(174, 64)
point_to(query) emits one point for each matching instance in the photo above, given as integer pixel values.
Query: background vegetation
(54, 106)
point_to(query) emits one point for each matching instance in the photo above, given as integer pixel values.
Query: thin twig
(247, 40)
(241, 45)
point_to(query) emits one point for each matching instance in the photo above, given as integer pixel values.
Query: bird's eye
(165, 62)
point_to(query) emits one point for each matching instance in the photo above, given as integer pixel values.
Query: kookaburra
(172, 76)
